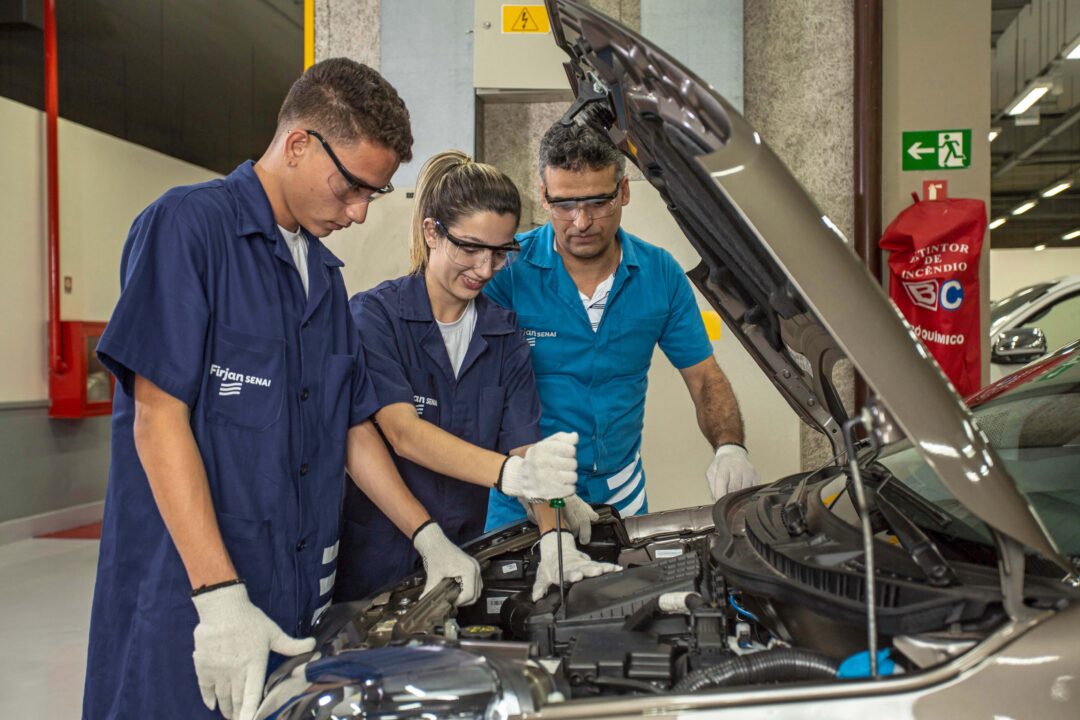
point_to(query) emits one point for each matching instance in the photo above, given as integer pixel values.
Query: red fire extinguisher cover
(934, 280)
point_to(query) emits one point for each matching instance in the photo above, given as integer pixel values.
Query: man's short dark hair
(578, 147)
(348, 101)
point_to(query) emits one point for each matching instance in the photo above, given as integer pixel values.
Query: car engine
(673, 621)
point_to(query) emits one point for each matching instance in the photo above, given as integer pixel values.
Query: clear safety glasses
(594, 206)
(348, 188)
(470, 254)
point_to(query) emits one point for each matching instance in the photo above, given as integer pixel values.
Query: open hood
(778, 271)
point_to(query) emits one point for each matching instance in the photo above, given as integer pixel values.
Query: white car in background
(1031, 321)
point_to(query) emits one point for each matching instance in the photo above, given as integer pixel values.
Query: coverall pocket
(552, 351)
(337, 394)
(247, 378)
(249, 547)
(489, 415)
(636, 338)
(425, 394)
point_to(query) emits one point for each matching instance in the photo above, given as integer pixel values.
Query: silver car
(928, 571)
(1028, 322)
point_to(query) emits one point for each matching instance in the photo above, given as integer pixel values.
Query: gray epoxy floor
(46, 587)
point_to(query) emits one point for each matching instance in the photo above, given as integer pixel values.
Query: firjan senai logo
(532, 335)
(233, 382)
(420, 402)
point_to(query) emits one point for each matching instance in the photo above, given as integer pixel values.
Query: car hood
(777, 270)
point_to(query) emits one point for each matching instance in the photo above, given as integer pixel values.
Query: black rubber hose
(780, 665)
(627, 684)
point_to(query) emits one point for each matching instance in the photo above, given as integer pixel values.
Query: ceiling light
(1057, 188)
(1023, 208)
(1030, 95)
(1071, 235)
(994, 132)
(998, 222)
(1039, 248)
(1073, 51)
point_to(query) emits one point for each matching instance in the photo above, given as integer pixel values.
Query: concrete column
(348, 28)
(799, 94)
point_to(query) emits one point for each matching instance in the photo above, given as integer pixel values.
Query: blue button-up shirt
(595, 382)
(213, 312)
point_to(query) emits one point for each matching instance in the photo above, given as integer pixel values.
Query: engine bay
(698, 606)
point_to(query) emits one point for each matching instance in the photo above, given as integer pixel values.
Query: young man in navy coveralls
(241, 396)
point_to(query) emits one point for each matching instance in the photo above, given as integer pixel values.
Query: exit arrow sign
(937, 149)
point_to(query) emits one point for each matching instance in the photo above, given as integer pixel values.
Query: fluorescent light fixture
(1071, 235)
(998, 222)
(1023, 208)
(1073, 51)
(1056, 188)
(994, 132)
(1039, 248)
(1030, 95)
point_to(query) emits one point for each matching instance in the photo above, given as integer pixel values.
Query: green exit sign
(937, 149)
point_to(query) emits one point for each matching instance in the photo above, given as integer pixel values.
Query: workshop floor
(46, 586)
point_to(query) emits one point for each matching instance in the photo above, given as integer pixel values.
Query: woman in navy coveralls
(453, 379)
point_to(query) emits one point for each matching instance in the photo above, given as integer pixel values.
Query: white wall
(1012, 269)
(104, 183)
(673, 449)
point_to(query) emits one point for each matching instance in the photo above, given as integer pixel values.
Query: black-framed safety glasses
(595, 206)
(471, 254)
(348, 188)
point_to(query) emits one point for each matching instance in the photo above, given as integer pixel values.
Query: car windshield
(1001, 309)
(1035, 428)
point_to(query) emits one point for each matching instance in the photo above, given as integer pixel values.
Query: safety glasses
(348, 188)
(471, 254)
(594, 206)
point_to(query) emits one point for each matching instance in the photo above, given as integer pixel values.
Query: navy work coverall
(213, 312)
(491, 403)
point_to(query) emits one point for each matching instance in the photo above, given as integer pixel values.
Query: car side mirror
(1018, 346)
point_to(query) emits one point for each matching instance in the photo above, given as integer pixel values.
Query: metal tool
(559, 504)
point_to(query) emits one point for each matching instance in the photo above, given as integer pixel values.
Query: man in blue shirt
(593, 301)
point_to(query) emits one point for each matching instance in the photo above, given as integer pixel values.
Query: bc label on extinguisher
(934, 281)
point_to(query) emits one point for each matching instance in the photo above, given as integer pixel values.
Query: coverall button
(301, 545)
(304, 394)
(303, 469)
(306, 325)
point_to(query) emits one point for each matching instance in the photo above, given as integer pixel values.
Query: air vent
(851, 587)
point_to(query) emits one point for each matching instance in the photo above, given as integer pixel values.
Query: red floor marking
(84, 532)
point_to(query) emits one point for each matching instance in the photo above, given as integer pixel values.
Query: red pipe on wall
(56, 362)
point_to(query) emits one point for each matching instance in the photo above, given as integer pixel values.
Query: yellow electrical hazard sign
(525, 19)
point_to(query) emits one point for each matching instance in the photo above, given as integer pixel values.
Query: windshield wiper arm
(919, 546)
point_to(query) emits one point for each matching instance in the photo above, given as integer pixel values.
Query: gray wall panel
(426, 51)
(705, 36)
(50, 465)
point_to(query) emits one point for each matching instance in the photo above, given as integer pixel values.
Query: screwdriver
(558, 504)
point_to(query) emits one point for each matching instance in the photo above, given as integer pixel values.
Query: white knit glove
(548, 470)
(730, 470)
(232, 642)
(576, 564)
(443, 559)
(577, 517)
